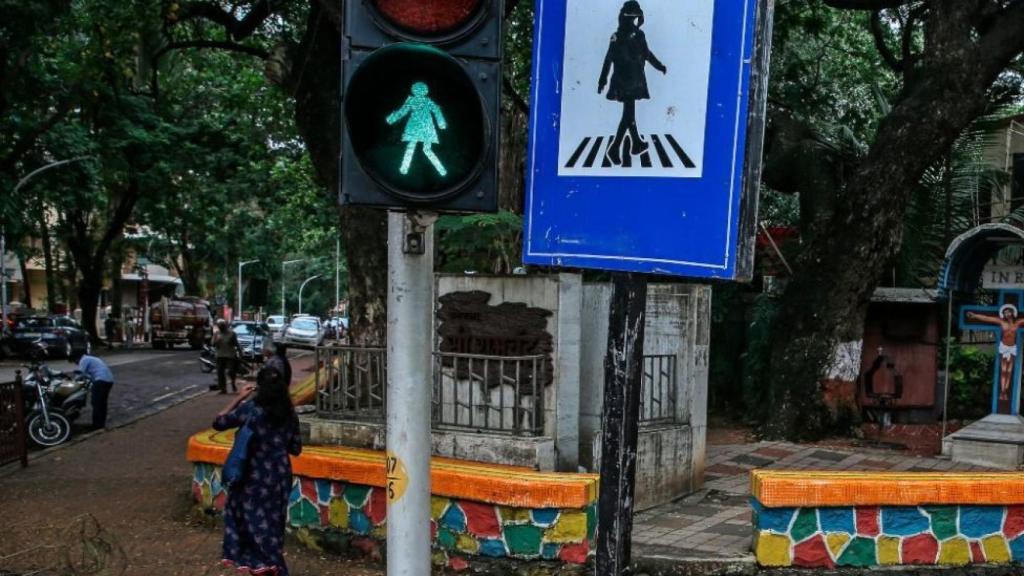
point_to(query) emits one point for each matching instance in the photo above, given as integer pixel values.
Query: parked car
(276, 324)
(252, 337)
(304, 331)
(59, 335)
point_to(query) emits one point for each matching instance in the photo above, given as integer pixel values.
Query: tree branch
(878, 33)
(510, 89)
(235, 28)
(867, 4)
(217, 44)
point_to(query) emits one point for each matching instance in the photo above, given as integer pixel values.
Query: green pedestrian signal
(416, 122)
(421, 104)
(419, 129)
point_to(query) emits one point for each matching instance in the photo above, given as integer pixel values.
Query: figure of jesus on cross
(1007, 324)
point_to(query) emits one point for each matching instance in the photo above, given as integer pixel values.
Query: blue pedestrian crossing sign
(646, 125)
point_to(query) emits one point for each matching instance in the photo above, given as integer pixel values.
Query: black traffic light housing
(391, 76)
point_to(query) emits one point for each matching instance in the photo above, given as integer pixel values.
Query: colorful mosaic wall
(874, 536)
(865, 519)
(459, 527)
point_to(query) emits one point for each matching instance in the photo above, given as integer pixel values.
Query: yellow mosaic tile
(888, 551)
(772, 550)
(955, 552)
(996, 550)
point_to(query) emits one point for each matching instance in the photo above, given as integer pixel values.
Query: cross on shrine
(1007, 325)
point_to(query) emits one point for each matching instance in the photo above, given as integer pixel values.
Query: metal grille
(352, 382)
(658, 395)
(13, 443)
(499, 394)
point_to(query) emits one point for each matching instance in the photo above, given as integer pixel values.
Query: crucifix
(1005, 322)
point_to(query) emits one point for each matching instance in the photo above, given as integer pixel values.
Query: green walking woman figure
(419, 129)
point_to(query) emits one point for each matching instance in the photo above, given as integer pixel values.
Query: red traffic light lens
(428, 18)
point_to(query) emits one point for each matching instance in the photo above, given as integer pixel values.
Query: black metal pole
(620, 418)
(19, 416)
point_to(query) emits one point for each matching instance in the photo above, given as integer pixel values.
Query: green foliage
(970, 380)
(947, 202)
(487, 243)
(757, 398)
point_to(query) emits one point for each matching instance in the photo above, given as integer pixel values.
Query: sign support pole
(410, 307)
(623, 369)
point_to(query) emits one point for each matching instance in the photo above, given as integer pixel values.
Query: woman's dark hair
(272, 396)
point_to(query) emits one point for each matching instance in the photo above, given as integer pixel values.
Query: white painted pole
(303, 287)
(410, 302)
(337, 276)
(3, 279)
(283, 264)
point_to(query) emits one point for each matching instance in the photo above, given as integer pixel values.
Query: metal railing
(13, 440)
(351, 382)
(498, 394)
(658, 393)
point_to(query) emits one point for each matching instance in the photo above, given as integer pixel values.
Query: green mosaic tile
(524, 539)
(805, 526)
(859, 552)
(943, 521)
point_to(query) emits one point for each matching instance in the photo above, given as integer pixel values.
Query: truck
(180, 320)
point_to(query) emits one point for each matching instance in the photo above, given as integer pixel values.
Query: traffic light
(421, 96)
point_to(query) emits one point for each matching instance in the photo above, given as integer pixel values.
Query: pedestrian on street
(276, 357)
(102, 381)
(257, 504)
(225, 342)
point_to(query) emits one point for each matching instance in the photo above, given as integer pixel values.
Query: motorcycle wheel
(56, 433)
(88, 346)
(68, 350)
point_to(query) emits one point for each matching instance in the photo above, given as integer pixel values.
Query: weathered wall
(561, 295)
(671, 455)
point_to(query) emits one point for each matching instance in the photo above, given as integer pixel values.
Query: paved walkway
(715, 523)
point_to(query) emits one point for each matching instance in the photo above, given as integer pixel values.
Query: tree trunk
(825, 302)
(26, 286)
(314, 78)
(48, 263)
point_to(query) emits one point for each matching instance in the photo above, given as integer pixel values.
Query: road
(145, 381)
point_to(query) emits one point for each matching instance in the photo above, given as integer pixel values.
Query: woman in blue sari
(257, 505)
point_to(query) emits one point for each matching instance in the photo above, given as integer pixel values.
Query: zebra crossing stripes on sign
(594, 152)
(646, 124)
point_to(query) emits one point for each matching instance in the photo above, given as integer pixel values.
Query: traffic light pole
(410, 304)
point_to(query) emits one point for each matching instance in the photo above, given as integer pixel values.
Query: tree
(949, 57)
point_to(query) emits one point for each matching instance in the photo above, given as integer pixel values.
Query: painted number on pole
(398, 479)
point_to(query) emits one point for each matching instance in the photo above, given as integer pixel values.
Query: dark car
(60, 335)
(251, 338)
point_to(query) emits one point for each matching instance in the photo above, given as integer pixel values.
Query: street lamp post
(3, 231)
(238, 313)
(303, 287)
(283, 264)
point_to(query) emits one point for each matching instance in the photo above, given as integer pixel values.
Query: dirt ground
(118, 504)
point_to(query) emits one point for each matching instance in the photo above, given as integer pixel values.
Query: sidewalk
(125, 495)
(715, 523)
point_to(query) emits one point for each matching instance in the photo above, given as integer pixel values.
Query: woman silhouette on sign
(627, 59)
(419, 129)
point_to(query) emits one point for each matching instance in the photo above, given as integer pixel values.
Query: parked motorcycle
(208, 362)
(207, 359)
(53, 401)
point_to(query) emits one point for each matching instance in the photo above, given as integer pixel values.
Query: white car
(304, 331)
(276, 324)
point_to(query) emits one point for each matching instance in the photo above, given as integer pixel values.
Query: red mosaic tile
(481, 519)
(867, 522)
(1014, 525)
(921, 549)
(812, 553)
(977, 554)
